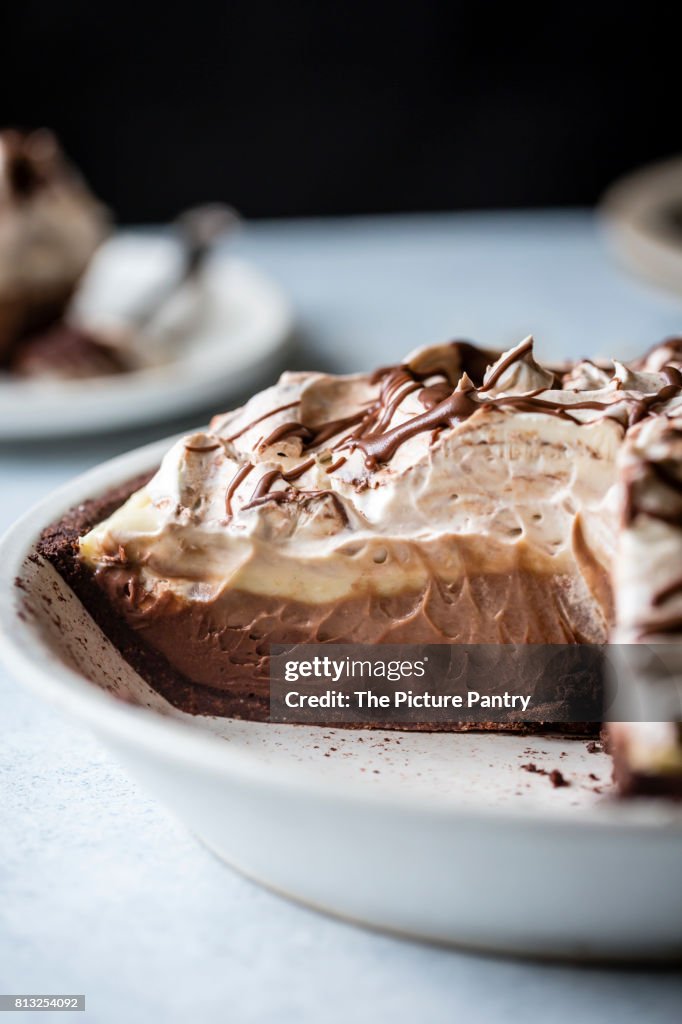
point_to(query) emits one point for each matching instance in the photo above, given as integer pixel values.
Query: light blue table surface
(103, 892)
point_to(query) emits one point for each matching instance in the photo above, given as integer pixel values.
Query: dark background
(289, 108)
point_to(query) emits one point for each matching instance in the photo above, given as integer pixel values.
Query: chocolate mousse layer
(225, 643)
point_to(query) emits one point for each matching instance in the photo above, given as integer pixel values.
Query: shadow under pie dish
(462, 496)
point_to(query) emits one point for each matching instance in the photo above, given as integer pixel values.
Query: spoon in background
(198, 230)
(150, 332)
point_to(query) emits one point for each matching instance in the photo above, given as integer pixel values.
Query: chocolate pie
(460, 496)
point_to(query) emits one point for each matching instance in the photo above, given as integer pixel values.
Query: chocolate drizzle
(259, 419)
(643, 406)
(393, 393)
(530, 403)
(434, 394)
(664, 595)
(446, 403)
(202, 448)
(639, 482)
(234, 483)
(469, 360)
(268, 479)
(304, 496)
(504, 364)
(284, 430)
(673, 375)
(474, 361)
(328, 430)
(382, 447)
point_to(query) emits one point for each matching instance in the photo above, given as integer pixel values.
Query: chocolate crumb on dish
(462, 496)
(558, 779)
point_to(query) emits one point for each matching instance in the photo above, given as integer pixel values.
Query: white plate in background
(441, 837)
(642, 213)
(244, 330)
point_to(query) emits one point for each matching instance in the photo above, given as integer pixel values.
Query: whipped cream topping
(648, 570)
(517, 373)
(324, 486)
(50, 224)
(647, 581)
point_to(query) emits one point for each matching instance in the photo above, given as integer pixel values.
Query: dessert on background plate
(50, 227)
(51, 231)
(240, 328)
(148, 330)
(460, 496)
(103, 330)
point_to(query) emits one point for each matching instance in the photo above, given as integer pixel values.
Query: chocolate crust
(58, 544)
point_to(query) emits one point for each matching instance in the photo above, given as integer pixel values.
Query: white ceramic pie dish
(442, 837)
